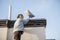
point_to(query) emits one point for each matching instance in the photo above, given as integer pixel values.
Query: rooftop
(31, 23)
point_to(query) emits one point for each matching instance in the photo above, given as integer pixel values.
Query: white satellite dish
(29, 13)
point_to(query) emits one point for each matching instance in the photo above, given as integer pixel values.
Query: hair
(19, 15)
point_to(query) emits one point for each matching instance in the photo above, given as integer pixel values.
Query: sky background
(48, 9)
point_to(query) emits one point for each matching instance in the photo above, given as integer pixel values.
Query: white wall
(31, 33)
(3, 33)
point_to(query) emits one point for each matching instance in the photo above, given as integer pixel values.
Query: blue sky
(48, 9)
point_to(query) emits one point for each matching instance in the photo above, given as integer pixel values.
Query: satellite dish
(29, 13)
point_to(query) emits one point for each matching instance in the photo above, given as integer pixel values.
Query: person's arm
(26, 20)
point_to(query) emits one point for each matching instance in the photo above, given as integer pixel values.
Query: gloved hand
(29, 14)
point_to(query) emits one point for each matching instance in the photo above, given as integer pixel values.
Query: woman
(19, 26)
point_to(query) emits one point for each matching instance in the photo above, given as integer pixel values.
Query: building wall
(3, 33)
(31, 33)
(34, 30)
